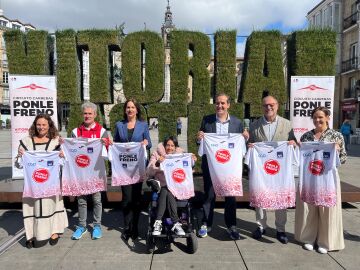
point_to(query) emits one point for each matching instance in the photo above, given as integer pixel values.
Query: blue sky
(200, 15)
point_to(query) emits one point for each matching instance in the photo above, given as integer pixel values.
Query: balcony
(350, 64)
(351, 20)
(350, 93)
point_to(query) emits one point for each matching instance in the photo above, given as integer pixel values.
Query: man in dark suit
(221, 123)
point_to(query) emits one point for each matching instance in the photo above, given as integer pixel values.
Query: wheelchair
(167, 236)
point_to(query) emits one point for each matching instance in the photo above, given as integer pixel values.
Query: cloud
(201, 15)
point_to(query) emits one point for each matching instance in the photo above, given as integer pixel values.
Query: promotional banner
(306, 94)
(29, 96)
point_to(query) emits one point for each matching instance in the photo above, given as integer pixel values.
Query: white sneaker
(177, 229)
(157, 227)
(322, 250)
(308, 247)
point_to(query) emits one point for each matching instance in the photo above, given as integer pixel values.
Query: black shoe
(281, 236)
(258, 233)
(233, 233)
(53, 241)
(125, 235)
(134, 235)
(29, 244)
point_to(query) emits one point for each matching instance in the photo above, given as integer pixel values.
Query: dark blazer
(208, 125)
(141, 132)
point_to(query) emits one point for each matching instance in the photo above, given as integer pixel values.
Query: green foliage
(225, 69)
(195, 115)
(263, 71)
(67, 70)
(99, 42)
(100, 118)
(132, 48)
(75, 117)
(115, 115)
(27, 54)
(167, 115)
(312, 52)
(225, 63)
(182, 66)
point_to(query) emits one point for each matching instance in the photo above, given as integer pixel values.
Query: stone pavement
(216, 251)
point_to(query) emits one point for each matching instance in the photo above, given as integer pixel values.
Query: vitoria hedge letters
(309, 52)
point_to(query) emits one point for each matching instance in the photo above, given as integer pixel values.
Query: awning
(349, 105)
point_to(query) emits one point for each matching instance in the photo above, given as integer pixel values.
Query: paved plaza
(216, 251)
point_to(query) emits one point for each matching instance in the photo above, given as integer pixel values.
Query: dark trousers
(131, 206)
(167, 201)
(209, 202)
(347, 141)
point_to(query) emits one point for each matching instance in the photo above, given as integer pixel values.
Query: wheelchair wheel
(150, 244)
(162, 244)
(191, 243)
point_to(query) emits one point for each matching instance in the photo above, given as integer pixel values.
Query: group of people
(318, 226)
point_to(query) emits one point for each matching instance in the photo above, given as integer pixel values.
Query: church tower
(168, 25)
(166, 28)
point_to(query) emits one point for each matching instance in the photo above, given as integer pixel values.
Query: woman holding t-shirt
(318, 225)
(166, 198)
(132, 129)
(44, 218)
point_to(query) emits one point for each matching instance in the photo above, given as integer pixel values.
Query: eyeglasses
(269, 105)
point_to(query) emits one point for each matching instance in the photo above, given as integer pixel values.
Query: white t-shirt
(127, 163)
(271, 179)
(318, 162)
(84, 171)
(41, 174)
(224, 153)
(179, 176)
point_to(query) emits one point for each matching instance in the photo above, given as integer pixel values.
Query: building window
(353, 50)
(318, 19)
(327, 17)
(352, 82)
(330, 18)
(6, 94)
(3, 23)
(5, 77)
(336, 16)
(353, 8)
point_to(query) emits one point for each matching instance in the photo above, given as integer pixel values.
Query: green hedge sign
(310, 52)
